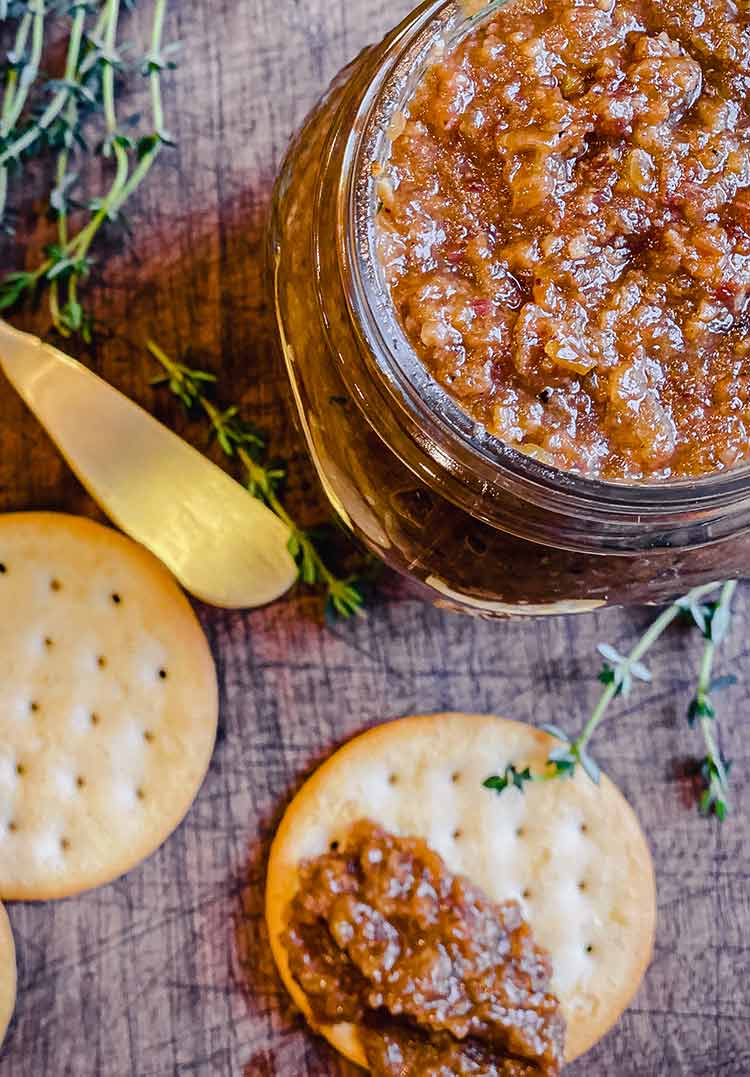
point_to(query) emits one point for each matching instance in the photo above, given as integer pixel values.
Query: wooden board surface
(168, 971)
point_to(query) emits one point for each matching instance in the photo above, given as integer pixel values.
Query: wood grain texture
(167, 972)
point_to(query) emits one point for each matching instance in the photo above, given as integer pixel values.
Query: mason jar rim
(456, 442)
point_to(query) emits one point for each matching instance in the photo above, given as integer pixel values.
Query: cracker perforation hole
(148, 736)
(116, 598)
(49, 643)
(456, 777)
(163, 674)
(520, 832)
(583, 885)
(584, 828)
(392, 779)
(589, 949)
(55, 585)
(458, 834)
(80, 782)
(65, 844)
(102, 661)
(3, 568)
(140, 793)
(20, 769)
(526, 895)
(95, 718)
(334, 846)
(12, 827)
(34, 706)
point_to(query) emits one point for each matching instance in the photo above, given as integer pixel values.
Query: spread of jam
(565, 230)
(439, 979)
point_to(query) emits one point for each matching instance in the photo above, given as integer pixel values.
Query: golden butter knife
(223, 545)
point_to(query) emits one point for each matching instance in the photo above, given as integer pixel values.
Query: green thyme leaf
(13, 286)
(564, 753)
(590, 766)
(619, 670)
(720, 683)
(510, 778)
(564, 768)
(700, 708)
(693, 611)
(344, 599)
(606, 674)
(719, 625)
(608, 652)
(555, 731)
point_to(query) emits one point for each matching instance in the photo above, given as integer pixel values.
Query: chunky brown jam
(440, 980)
(565, 229)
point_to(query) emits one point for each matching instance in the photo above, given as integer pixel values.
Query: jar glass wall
(473, 523)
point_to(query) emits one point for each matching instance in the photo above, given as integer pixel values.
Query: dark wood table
(168, 971)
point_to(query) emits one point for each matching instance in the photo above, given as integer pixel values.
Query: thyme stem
(81, 244)
(157, 31)
(15, 105)
(11, 82)
(61, 171)
(158, 138)
(16, 93)
(717, 777)
(57, 104)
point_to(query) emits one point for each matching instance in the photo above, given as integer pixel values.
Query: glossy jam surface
(565, 229)
(440, 979)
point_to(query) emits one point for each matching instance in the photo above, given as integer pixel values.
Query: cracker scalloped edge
(7, 974)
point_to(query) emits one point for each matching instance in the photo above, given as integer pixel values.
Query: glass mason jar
(474, 524)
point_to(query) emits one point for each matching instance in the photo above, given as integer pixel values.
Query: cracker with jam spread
(424, 924)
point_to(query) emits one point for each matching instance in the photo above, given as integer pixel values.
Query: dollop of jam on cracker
(438, 978)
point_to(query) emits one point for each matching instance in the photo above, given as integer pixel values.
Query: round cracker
(109, 706)
(7, 974)
(571, 852)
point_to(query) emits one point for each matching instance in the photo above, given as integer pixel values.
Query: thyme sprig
(713, 621)
(263, 477)
(88, 86)
(618, 674)
(22, 68)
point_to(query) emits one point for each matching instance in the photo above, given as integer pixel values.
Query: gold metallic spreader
(224, 546)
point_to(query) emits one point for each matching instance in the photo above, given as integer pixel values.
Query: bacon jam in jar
(511, 265)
